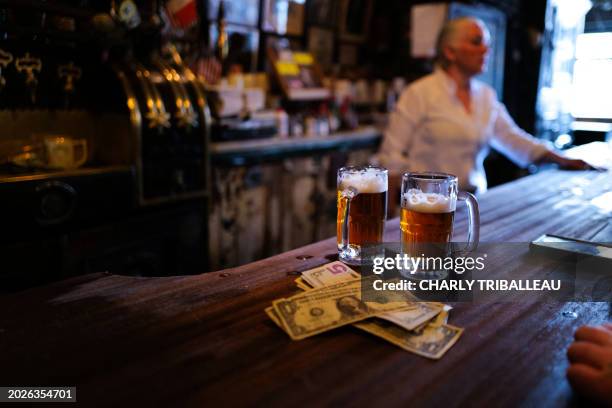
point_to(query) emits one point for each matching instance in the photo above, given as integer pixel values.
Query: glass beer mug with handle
(362, 210)
(428, 203)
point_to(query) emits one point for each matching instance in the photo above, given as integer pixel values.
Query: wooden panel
(262, 210)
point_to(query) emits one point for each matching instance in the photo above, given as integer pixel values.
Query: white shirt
(430, 130)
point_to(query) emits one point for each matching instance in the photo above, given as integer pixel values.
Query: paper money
(420, 313)
(302, 284)
(417, 314)
(432, 342)
(329, 274)
(326, 308)
(273, 316)
(440, 319)
(430, 335)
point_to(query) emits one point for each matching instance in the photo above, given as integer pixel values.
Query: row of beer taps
(31, 66)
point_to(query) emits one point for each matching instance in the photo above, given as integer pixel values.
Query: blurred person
(590, 357)
(447, 120)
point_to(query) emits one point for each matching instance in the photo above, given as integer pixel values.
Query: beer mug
(428, 203)
(362, 210)
(65, 153)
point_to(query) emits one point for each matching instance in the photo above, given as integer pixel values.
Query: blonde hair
(447, 35)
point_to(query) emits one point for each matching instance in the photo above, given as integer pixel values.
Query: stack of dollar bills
(332, 298)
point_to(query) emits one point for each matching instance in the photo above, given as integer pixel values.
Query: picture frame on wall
(354, 19)
(243, 45)
(323, 13)
(284, 17)
(244, 12)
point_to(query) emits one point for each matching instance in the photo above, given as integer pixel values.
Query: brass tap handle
(70, 73)
(5, 59)
(29, 65)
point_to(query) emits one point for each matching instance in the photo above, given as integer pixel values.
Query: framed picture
(245, 12)
(426, 21)
(323, 13)
(354, 19)
(243, 45)
(321, 45)
(284, 17)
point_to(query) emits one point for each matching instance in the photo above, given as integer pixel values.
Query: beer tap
(156, 115)
(185, 114)
(69, 73)
(29, 64)
(5, 59)
(187, 118)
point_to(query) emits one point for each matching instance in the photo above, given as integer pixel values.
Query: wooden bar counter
(205, 341)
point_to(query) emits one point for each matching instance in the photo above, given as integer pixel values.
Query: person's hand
(590, 356)
(566, 163)
(573, 164)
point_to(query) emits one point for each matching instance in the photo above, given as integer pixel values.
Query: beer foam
(366, 181)
(416, 200)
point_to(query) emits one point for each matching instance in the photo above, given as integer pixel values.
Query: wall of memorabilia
(337, 32)
(347, 37)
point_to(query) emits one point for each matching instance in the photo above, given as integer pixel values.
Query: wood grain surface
(205, 340)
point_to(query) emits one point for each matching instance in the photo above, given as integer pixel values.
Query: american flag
(183, 13)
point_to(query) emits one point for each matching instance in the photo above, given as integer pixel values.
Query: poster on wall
(243, 46)
(244, 12)
(182, 13)
(426, 20)
(285, 17)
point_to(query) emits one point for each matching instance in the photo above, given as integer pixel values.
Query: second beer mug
(362, 210)
(428, 203)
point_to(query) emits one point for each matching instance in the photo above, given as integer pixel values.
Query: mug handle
(346, 195)
(82, 143)
(473, 221)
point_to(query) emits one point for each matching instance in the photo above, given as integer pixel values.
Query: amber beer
(364, 191)
(426, 218)
(428, 202)
(366, 217)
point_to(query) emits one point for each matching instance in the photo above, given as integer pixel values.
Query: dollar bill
(328, 307)
(329, 274)
(273, 316)
(302, 284)
(432, 342)
(440, 319)
(431, 338)
(417, 314)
